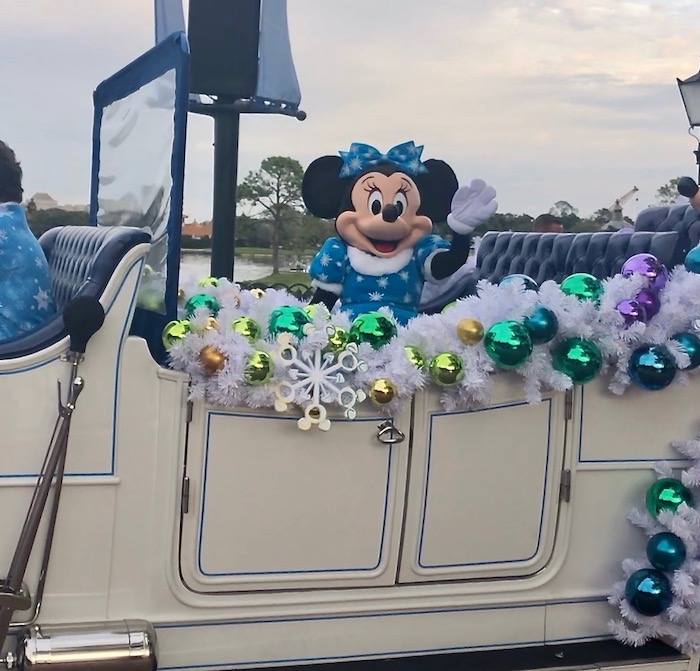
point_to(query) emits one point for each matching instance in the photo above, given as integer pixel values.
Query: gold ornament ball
(415, 356)
(259, 368)
(338, 340)
(180, 295)
(257, 293)
(470, 331)
(212, 360)
(212, 324)
(382, 391)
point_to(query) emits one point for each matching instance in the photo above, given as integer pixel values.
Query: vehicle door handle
(388, 434)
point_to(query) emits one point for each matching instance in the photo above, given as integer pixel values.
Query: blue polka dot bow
(360, 156)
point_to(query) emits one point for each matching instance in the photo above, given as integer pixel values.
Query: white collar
(366, 264)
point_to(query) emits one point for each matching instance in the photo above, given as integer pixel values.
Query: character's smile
(384, 246)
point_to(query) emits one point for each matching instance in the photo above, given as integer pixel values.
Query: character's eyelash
(369, 186)
(405, 188)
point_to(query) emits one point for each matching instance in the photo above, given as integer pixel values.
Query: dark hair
(10, 176)
(547, 221)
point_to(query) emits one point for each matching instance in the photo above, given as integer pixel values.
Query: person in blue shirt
(384, 207)
(26, 297)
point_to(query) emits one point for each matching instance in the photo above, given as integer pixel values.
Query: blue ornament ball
(652, 367)
(692, 260)
(690, 344)
(666, 551)
(648, 591)
(530, 284)
(542, 325)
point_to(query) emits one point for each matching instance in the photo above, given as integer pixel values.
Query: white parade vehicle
(484, 531)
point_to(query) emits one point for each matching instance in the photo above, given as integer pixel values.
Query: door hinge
(185, 500)
(568, 404)
(188, 416)
(565, 486)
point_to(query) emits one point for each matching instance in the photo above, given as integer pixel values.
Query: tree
(41, 221)
(668, 193)
(274, 194)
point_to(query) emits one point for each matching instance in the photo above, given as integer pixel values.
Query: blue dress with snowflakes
(364, 283)
(26, 298)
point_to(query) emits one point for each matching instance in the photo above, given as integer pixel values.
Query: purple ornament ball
(649, 300)
(649, 266)
(632, 312)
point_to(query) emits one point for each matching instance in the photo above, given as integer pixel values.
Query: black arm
(328, 298)
(446, 263)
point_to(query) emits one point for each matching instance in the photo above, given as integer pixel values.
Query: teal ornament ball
(508, 343)
(652, 367)
(690, 344)
(649, 592)
(578, 358)
(542, 325)
(584, 286)
(665, 551)
(692, 260)
(528, 283)
(374, 328)
(202, 301)
(667, 494)
(288, 319)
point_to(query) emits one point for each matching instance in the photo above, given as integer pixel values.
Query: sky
(546, 100)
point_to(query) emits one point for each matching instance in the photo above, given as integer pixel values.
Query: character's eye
(400, 202)
(375, 202)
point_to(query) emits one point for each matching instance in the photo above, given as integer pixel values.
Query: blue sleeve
(330, 264)
(425, 247)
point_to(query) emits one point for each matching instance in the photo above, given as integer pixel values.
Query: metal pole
(226, 133)
(697, 159)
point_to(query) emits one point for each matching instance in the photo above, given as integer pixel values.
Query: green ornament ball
(338, 340)
(690, 344)
(667, 494)
(202, 301)
(508, 343)
(446, 369)
(247, 327)
(288, 319)
(317, 310)
(415, 356)
(259, 368)
(542, 325)
(584, 286)
(374, 328)
(209, 282)
(579, 359)
(175, 332)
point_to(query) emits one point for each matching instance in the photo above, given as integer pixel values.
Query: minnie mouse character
(384, 207)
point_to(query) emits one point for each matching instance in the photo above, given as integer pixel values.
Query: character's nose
(390, 213)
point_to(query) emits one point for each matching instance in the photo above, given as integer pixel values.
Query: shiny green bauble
(578, 358)
(415, 356)
(446, 369)
(338, 340)
(288, 319)
(202, 301)
(247, 327)
(542, 325)
(508, 343)
(667, 494)
(259, 368)
(209, 282)
(690, 344)
(584, 286)
(176, 331)
(374, 328)
(665, 551)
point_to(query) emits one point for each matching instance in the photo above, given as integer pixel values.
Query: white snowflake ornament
(316, 376)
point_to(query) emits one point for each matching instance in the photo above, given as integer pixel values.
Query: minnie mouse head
(383, 204)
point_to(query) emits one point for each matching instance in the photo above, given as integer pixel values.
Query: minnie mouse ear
(322, 187)
(437, 187)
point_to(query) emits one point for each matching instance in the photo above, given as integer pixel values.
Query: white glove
(471, 206)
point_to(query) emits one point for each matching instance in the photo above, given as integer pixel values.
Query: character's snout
(390, 213)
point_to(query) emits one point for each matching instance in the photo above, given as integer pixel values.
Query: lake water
(196, 265)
